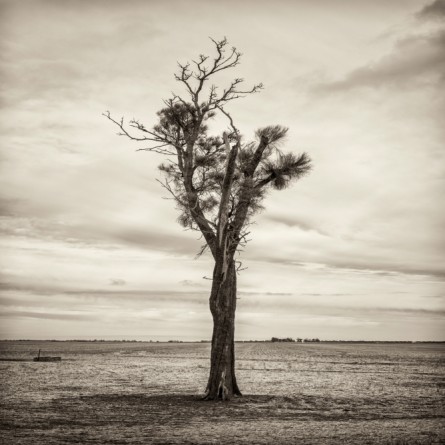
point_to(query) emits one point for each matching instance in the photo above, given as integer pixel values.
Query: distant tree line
(276, 339)
(298, 340)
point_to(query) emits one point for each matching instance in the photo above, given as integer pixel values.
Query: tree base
(221, 397)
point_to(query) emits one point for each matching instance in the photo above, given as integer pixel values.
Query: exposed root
(222, 388)
(206, 395)
(237, 393)
(222, 392)
(208, 398)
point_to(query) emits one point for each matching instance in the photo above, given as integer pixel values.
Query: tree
(218, 183)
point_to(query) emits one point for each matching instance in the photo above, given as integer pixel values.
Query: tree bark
(222, 383)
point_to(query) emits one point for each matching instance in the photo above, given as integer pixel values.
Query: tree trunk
(222, 381)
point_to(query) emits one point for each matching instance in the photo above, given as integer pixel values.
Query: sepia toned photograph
(222, 222)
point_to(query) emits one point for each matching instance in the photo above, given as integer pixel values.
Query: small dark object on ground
(47, 358)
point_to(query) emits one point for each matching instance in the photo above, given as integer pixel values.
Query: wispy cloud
(434, 11)
(106, 294)
(356, 265)
(48, 315)
(415, 60)
(294, 222)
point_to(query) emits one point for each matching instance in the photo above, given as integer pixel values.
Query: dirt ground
(149, 393)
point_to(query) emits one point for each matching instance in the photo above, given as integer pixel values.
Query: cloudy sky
(89, 247)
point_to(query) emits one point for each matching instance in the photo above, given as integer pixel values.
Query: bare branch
(222, 61)
(158, 149)
(240, 268)
(203, 248)
(232, 125)
(164, 142)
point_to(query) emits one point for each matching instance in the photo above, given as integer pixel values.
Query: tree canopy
(218, 181)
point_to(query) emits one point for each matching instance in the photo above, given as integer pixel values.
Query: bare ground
(136, 394)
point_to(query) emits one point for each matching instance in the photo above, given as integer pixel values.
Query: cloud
(88, 304)
(353, 264)
(415, 60)
(121, 295)
(10, 207)
(384, 268)
(192, 283)
(84, 225)
(271, 294)
(434, 11)
(293, 222)
(47, 315)
(333, 305)
(53, 52)
(434, 296)
(102, 235)
(155, 241)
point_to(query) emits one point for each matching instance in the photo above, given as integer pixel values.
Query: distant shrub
(276, 339)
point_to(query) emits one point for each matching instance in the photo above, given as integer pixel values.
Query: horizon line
(101, 340)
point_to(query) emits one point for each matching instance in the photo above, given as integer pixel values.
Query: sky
(90, 247)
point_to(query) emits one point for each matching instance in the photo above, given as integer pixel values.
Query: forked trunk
(222, 381)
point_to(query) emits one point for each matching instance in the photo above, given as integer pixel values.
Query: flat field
(148, 393)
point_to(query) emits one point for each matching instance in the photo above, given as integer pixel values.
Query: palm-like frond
(286, 168)
(273, 133)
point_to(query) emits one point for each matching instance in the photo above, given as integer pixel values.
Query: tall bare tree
(218, 183)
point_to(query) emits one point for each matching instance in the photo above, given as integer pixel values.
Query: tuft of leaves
(272, 133)
(286, 168)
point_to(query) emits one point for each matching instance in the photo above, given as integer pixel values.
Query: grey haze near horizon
(353, 251)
